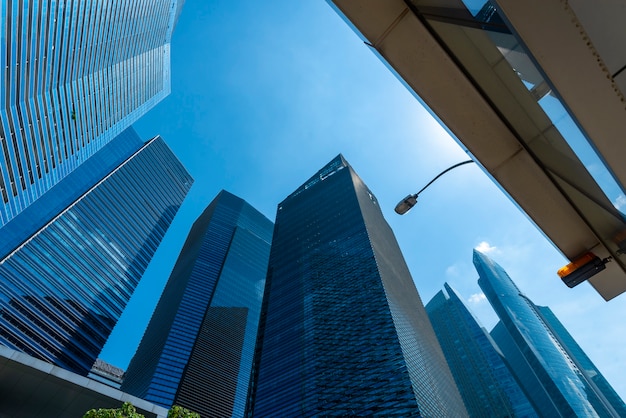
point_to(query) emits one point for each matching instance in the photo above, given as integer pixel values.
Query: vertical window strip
(135, 42)
(14, 111)
(69, 48)
(82, 27)
(122, 64)
(61, 114)
(91, 41)
(88, 107)
(60, 87)
(28, 141)
(30, 70)
(46, 14)
(14, 155)
(99, 65)
(53, 85)
(8, 175)
(104, 68)
(52, 141)
(98, 111)
(109, 53)
(130, 28)
(37, 61)
(106, 49)
(79, 99)
(83, 74)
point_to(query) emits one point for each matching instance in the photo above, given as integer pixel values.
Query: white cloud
(620, 202)
(452, 271)
(477, 298)
(485, 248)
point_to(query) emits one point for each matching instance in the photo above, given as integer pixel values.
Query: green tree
(180, 412)
(126, 411)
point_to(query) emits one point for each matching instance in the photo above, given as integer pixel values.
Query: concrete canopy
(484, 80)
(33, 388)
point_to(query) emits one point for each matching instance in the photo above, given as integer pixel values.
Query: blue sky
(265, 93)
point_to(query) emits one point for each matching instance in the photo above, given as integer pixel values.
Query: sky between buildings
(266, 93)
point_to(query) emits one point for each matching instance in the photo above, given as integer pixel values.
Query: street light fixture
(408, 202)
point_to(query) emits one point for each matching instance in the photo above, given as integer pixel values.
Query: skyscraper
(551, 378)
(584, 363)
(198, 349)
(343, 329)
(74, 76)
(67, 190)
(64, 287)
(487, 386)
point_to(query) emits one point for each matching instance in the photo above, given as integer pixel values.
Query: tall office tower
(584, 363)
(487, 386)
(344, 331)
(198, 349)
(63, 289)
(74, 76)
(67, 190)
(550, 377)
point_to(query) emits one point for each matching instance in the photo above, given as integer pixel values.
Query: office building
(67, 190)
(65, 286)
(551, 378)
(486, 385)
(343, 329)
(198, 349)
(74, 75)
(585, 365)
(535, 91)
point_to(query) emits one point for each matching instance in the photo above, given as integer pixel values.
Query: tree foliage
(126, 411)
(180, 412)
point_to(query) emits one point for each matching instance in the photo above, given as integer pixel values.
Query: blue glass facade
(550, 377)
(63, 289)
(487, 386)
(343, 329)
(74, 76)
(606, 394)
(198, 349)
(66, 191)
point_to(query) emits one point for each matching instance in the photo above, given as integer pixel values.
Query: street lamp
(408, 202)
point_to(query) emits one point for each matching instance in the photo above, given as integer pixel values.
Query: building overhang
(478, 80)
(34, 388)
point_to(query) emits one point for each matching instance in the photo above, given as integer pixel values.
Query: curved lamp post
(408, 202)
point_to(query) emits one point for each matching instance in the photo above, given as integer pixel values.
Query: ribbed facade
(602, 387)
(487, 386)
(343, 330)
(550, 377)
(73, 76)
(67, 190)
(212, 373)
(63, 289)
(198, 349)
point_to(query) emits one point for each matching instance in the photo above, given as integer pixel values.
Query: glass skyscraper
(552, 379)
(67, 190)
(343, 330)
(584, 363)
(198, 349)
(64, 287)
(487, 386)
(74, 76)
